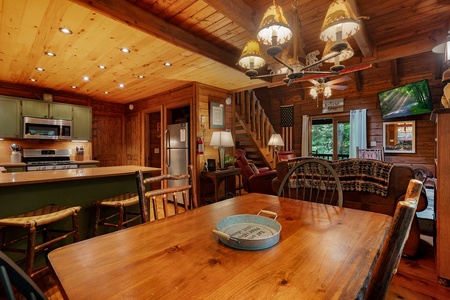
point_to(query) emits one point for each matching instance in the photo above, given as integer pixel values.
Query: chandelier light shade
(274, 28)
(313, 93)
(340, 22)
(251, 57)
(444, 47)
(222, 139)
(345, 54)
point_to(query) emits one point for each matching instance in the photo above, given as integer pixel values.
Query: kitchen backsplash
(5, 152)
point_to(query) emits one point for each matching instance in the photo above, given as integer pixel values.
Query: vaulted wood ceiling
(202, 39)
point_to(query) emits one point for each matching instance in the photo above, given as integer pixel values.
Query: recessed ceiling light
(33, 79)
(141, 76)
(40, 69)
(106, 92)
(74, 86)
(125, 50)
(102, 67)
(50, 53)
(65, 30)
(86, 78)
(121, 85)
(168, 64)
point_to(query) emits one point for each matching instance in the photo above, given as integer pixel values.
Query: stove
(48, 159)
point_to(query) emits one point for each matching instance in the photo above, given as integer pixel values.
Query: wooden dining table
(324, 252)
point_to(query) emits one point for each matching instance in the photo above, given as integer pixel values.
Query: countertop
(22, 178)
(22, 164)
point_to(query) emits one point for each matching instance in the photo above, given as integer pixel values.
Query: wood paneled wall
(376, 79)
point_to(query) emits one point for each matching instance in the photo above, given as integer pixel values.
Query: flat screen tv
(408, 100)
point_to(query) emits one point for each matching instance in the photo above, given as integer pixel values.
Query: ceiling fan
(324, 86)
(339, 24)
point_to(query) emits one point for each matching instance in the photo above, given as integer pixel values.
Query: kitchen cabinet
(442, 192)
(39, 109)
(15, 169)
(10, 118)
(82, 123)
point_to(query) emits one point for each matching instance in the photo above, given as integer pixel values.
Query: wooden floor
(415, 280)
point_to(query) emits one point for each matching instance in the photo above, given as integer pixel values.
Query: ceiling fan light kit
(340, 22)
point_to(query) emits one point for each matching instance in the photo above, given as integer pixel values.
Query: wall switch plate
(373, 143)
(156, 150)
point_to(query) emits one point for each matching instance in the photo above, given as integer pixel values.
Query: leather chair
(254, 179)
(286, 155)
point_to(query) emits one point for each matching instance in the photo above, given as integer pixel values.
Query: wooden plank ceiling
(202, 39)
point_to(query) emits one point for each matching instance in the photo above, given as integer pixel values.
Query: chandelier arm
(267, 75)
(283, 63)
(321, 72)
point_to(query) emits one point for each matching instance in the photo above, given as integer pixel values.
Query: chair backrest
(147, 196)
(377, 154)
(13, 276)
(312, 180)
(382, 272)
(285, 155)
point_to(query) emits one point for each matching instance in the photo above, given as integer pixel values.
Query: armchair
(286, 155)
(254, 179)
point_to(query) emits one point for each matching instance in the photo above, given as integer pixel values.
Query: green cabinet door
(10, 118)
(37, 109)
(82, 123)
(60, 111)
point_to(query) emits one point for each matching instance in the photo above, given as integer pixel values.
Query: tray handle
(268, 212)
(225, 235)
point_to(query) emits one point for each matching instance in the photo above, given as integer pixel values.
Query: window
(330, 137)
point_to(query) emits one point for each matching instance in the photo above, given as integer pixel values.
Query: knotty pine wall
(376, 79)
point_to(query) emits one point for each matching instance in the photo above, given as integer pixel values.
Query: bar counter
(21, 192)
(21, 178)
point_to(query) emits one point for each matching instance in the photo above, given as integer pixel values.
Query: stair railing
(257, 125)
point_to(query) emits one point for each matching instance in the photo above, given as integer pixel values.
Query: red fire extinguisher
(200, 146)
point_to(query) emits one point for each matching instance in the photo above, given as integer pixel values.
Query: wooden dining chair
(378, 281)
(15, 281)
(148, 198)
(312, 180)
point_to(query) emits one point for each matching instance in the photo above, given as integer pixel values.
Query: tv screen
(408, 100)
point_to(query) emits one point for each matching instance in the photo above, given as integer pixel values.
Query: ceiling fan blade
(338, 87)
(339, 80)
(355, 68)
(315, 82)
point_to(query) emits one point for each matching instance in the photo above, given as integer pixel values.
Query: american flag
(287, 125)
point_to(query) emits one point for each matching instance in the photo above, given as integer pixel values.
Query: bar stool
(43, 218)
(120, 202)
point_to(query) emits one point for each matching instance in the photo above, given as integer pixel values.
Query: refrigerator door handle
(167, 142)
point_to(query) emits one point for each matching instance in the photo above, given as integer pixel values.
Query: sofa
(254, 179)
(370, 185)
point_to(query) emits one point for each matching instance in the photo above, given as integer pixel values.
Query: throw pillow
(253, 168)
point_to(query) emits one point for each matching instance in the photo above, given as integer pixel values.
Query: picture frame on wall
(216, 115)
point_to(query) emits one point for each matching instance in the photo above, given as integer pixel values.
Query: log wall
(376, 79)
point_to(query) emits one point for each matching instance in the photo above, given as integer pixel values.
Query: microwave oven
(46, 129)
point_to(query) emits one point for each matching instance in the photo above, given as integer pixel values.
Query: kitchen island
(25, 191)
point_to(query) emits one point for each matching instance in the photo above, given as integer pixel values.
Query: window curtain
(358, 132)
(305, 136)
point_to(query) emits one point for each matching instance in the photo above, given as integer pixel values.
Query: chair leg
(31, 246)
(97, 220)
(76, 229)
(120, 218)
(185, 201)
(155, 208)
(175, 203)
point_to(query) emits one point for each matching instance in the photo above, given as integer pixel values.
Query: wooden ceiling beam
(237, 11)
(361, 37)
(131, 15)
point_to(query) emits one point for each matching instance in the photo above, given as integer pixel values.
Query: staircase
(253, 129)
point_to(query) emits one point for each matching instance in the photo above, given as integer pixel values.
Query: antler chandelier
(274, 31)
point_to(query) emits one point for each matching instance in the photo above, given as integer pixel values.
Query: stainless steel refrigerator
(177, 154)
